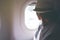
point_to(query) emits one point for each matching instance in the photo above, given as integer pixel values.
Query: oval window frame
(30, 3)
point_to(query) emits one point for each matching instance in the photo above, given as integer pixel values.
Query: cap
(44, 6)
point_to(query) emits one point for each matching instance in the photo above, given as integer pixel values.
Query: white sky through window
(31, 19)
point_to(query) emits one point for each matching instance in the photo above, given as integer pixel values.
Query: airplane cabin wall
(20, 31)
(6, 11)
(12, 26)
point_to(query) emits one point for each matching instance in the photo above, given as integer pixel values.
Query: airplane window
(31, 19)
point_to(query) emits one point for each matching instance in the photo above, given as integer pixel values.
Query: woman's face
(44, 17)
